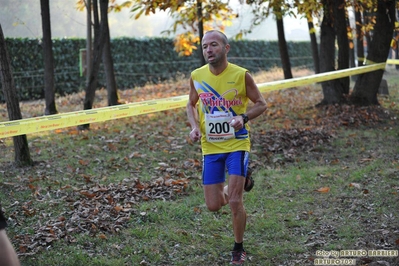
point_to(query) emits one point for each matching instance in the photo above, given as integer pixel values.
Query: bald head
(222, 36)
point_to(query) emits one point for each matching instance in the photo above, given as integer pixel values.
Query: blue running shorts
(215, 166)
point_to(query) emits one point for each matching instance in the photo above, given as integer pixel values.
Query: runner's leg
(239, 216)
(215, 198)
(213, 178)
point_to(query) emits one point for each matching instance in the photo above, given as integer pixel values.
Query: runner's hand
(237, 122)
(195, 134)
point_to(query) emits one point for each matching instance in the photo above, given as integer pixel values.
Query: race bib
(217, 127)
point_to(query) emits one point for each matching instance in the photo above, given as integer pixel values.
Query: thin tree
(99, 40)
(359, 33)
(113, 98)
(200, 28)
(352, 56)
(89, 45)
(108, 62)
(308, 9)
(282, 43)
(341, 31)
(396, 48)
(49, 83)
(21, 148)
(262, 9)
(314, 45)
(367, 23)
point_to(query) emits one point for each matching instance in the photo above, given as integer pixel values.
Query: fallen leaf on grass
(32, 187)
(324, 176)
(87, 178)
(323, 190)
(118, 208)
(95, 210)
(28, 212)
(9, 184)
(73, 132)
(23, 249)
(364, 160)
(355, 185)
(145, 198)
(88, 194)
(112, 147)
(134, 154)
(159, 180)
(290, 143)
(70, 169)
(84, 162)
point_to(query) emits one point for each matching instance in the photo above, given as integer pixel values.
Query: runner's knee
(236, 204)
(214, 207)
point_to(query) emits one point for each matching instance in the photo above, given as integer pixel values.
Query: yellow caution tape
(393, 61)
(389, 61)
(51, 122)
(295, 82)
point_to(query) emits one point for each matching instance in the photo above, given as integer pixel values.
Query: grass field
(128, 192)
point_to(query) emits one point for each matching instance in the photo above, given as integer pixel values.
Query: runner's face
(213, 49)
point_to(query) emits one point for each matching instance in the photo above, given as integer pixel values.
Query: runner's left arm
(255, 96)
(192, 113)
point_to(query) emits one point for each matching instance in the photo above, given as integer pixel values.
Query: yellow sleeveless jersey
(220, 98)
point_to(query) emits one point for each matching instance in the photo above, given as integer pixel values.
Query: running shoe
(249, 182)
(238, 257)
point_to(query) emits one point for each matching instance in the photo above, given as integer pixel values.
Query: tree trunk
(283, 48)
(397, 43)
(366, 20)
(21, 148)
(397, 51)
(332, 91)
(352, 57)
(314, 45)
(200, 28)
(49, 83)
(89, 47)
(359, 36)
(108, 62)
(343, 42)
(367, 85)
(99, 37)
